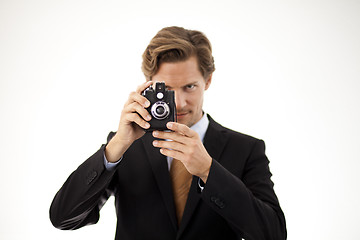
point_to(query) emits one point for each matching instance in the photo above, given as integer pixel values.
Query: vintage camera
(162, 106)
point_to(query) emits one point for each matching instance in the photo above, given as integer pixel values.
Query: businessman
(198, 181)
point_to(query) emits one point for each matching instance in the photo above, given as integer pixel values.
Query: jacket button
(220, 203)
(217, 202)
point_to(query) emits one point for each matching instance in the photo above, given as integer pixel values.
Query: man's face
(185, 79)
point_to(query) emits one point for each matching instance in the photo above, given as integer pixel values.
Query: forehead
(179, 73)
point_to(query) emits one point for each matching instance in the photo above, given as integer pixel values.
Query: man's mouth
(181, 114)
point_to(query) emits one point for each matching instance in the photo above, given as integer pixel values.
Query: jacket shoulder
(232, 134)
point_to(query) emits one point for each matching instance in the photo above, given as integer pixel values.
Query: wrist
(205, 174)
(115, 149)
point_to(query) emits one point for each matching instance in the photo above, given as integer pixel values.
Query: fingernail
(147, 125)
(155, 143)
(169, 125)
(155, 133)
(148, 117)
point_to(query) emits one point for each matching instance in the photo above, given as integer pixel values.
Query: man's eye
(191, 86)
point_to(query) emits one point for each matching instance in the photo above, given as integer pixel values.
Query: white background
(287, 72)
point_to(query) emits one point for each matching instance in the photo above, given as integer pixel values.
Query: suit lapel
(214, 141)
(159, 166)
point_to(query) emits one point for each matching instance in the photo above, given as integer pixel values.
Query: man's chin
(184, 121)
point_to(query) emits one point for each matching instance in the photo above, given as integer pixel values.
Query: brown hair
(176, 44)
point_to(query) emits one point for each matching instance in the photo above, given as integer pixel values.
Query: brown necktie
(181, 181)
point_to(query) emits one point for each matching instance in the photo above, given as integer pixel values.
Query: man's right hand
(134, 119)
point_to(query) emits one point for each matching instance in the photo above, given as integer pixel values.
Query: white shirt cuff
(110, 165)
(201, 184)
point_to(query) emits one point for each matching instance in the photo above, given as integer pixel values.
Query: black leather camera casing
(162, 106)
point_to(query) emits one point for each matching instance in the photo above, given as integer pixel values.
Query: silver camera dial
(160, 110)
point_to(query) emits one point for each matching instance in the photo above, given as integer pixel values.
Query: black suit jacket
(238, 200)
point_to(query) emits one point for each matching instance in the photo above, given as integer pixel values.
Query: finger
(136, 97)
(171, 153)
(181, 128)
(176, 146)
(171, 136)
(134, 117)
(136, 108)
(143, 86)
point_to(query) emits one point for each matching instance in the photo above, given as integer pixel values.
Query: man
(197, 181)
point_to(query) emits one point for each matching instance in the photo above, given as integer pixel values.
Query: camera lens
(160, 110)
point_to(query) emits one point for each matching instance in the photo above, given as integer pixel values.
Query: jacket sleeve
(247, 200)
(81, 197)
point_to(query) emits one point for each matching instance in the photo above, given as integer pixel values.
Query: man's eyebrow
(191, 83)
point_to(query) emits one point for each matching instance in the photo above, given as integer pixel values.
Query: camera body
(162, 106)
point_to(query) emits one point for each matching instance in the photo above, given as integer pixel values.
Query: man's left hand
(185, 145)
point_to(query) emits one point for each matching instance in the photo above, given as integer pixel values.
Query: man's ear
(208, 81)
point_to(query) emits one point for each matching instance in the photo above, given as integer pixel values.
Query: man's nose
(179, 100)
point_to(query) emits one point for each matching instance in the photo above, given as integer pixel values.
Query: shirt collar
(201, 126)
